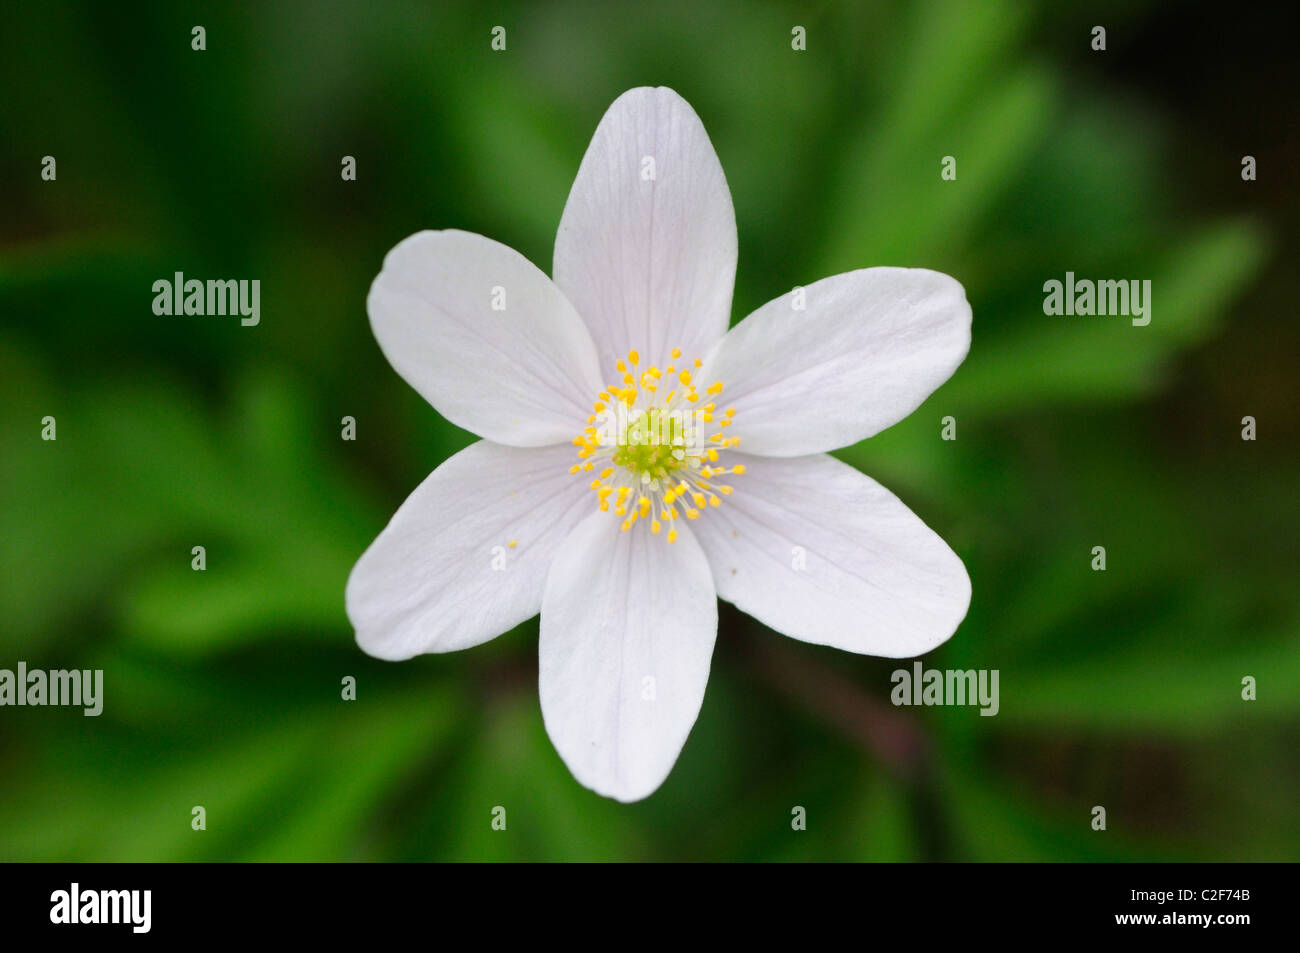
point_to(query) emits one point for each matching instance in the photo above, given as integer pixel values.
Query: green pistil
(657, 462)
(647, 446)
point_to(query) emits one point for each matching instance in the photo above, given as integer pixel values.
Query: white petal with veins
(646, 248)
(521, 375)
(870, 346)
(443, 574)
(819, 552)
(628, 624)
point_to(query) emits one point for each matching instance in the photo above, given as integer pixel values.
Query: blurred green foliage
(1119, 688)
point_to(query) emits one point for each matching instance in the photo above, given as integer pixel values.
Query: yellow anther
(738, 469)
(655, 463)
(513, 543)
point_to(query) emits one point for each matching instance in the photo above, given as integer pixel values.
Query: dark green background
(1119, 689)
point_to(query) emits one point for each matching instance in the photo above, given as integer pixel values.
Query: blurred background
(1119, 688)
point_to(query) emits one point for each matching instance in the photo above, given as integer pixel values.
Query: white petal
(814, 549)
(649, 262)
(522, 375)
(869, 348)
(442, 575)
(628, 623)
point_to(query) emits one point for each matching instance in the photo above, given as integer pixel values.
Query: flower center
(647, 437)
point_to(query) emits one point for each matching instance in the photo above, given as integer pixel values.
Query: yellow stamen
(652, 466)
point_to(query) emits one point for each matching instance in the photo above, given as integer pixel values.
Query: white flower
(624, 545)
